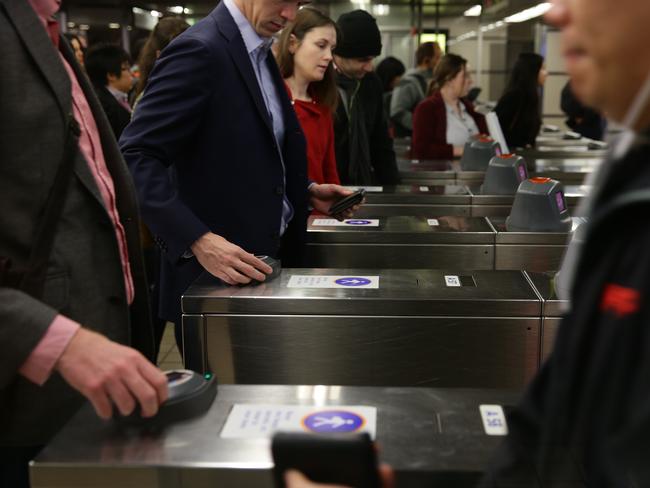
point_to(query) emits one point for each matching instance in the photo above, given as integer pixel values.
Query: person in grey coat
(70, 339)
(412, 88)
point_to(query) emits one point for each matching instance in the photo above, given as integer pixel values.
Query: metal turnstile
(415, 200)
(401, 243)
(454, 200)
(552, 310)
(428, 172)
(532, 251)
(417, 328)
(570, 169)
(431, 437)
(500, 205)
(584, 148)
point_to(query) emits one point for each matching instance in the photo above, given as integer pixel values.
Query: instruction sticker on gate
(452, 280)
(254, 421)
(433, 222)
(494, 420)
(311, 281)
(346, 222)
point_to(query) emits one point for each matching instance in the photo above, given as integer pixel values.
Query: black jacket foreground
(382, 155)
(590, 403)
(520, 124)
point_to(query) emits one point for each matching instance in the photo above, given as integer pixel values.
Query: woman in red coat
(304, 55)
(445, 121)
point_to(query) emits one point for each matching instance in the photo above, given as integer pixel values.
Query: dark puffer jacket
(590, 404)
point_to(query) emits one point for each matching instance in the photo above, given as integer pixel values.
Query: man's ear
(111, 78)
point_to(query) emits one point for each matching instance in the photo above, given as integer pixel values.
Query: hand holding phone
(340, 459)
(347, 203)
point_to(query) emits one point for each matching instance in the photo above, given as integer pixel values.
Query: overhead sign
(424, 188)
(255, 421)
(311, 281)
(433, 222)
(346, 222)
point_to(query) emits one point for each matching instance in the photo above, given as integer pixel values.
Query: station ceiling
(445, 8)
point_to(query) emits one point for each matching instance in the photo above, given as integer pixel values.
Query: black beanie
(360, 35)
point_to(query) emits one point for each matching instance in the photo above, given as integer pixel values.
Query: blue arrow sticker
(333, 421)
(352, 281)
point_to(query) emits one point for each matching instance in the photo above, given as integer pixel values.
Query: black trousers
(14, 469)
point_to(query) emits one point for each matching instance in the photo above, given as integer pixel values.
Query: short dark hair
(388, 69)
(426, 50)
(104, 59)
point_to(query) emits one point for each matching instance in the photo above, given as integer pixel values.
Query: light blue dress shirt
(259, 48)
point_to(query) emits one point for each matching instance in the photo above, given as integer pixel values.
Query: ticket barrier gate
(455, 200)
(431, 437)
(500, 205)
(400, 242)
(532, 251)
(415, 200)
(369, 327)
(580, 144)
(476, 243)
(553, 307)
(593, 149)
(570, 171)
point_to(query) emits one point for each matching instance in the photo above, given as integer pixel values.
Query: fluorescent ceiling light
(155, 13)
(474, 11)
(380, 9)
(529, 13)
(113, 25)
(176, 9)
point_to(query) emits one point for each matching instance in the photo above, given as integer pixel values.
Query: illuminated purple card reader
(539, 206)
(504, 174)
(478, 152)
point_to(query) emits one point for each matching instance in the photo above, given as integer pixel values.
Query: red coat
(318, 127)
(429, 140)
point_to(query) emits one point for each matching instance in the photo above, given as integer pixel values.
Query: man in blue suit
(217, 154)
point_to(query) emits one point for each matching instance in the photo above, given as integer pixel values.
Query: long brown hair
(166, 30)
(324, 91)
(446, 70)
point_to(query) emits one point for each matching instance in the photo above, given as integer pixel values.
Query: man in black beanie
(364, 150)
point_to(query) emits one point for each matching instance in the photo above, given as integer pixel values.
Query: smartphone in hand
(347, 203)
(341, 459)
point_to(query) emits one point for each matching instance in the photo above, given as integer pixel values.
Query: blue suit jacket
(204, 158)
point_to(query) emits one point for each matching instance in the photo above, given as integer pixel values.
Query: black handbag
(32, 278)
